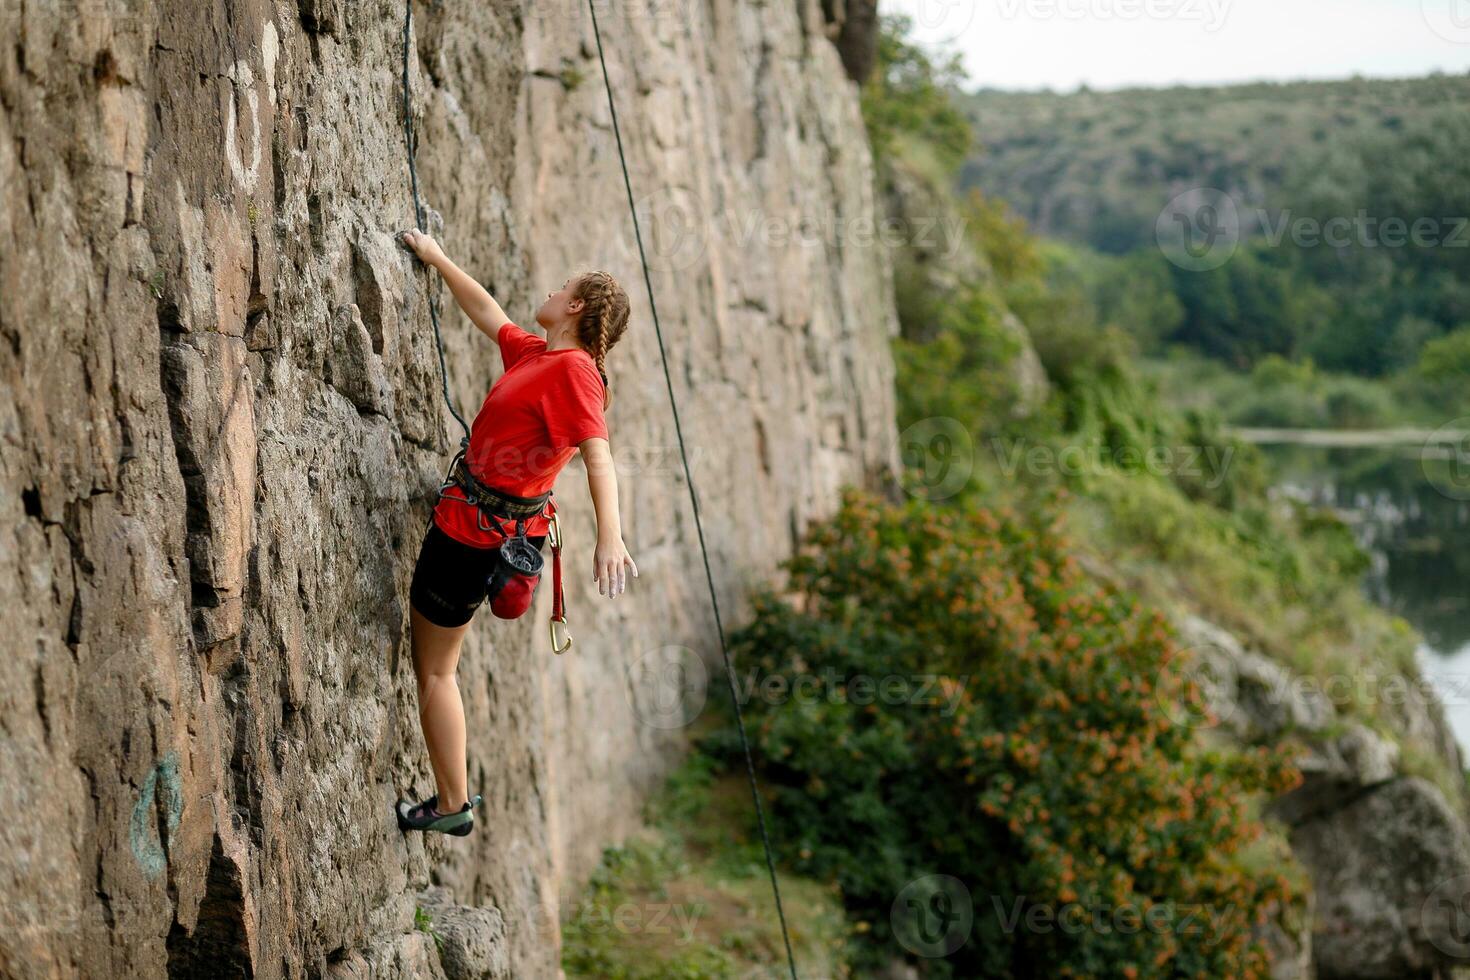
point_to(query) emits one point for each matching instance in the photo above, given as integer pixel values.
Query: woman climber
(486, 532)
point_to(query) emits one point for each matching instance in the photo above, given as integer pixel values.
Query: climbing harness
(693, 496)
(560, 642)
(512, 584)
(518, 570)
(491, 504)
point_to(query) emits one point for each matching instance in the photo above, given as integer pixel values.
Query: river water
(1413, 518)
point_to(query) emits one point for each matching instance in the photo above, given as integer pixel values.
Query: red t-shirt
(536, 414)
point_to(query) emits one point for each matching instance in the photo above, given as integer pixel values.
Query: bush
(909, 93)
(968, 339)
(1051, 777)
(1353, 403)
(1295, 394)
(1447, 359)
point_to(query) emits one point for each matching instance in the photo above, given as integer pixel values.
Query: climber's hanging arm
(611, 561)
(473, 298)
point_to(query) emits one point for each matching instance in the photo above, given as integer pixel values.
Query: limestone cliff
(223, 431)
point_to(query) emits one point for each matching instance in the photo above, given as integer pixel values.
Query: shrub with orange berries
(1035, 759)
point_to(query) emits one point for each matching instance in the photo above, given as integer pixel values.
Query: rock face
(222, 432)
(853, 27)
(1388, 854)
(1391, 871)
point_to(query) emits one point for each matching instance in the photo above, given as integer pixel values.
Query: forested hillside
(1341, 234)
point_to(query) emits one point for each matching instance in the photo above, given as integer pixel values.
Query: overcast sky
(1060, 44)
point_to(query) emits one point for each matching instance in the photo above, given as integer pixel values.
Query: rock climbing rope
(693, 495)
(709, 577)
(411, 141)
(561, 639)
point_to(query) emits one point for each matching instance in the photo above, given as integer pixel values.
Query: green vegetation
(1446, 360)
(690, 898)
(1278, 393)
(1164, 499)
(1030, 751)
(424, 922)
(1169, 507)
(910, 93)
(1354, 241)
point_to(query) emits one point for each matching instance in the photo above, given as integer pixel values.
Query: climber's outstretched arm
(611, 561)
(473, 298)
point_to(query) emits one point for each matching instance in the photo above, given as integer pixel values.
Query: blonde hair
(604, 320)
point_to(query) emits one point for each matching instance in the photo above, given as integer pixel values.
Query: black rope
(693, 496)
(411, 141)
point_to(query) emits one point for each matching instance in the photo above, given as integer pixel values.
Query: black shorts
(451, 579)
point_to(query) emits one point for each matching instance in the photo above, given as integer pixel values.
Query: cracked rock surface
(222, 432)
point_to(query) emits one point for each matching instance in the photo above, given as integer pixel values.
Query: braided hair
(604, 319)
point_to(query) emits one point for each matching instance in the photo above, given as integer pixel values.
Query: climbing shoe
(424, 816)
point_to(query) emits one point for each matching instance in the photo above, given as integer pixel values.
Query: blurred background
(1327, 156)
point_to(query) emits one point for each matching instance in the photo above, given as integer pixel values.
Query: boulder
(1251, 696)
(1388, 856)
(1335, 769)
(1391, 872)
(470, 941)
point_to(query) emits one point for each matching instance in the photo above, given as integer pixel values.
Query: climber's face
(560, 307)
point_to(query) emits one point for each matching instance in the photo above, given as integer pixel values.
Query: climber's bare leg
(441, 712)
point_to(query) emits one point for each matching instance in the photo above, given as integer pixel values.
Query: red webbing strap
(557, 598)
